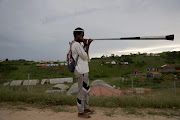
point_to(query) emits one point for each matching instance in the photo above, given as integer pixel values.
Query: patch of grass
(110, 113)
(21, 108)
(172, 114)
(60, 109)
(132, 111)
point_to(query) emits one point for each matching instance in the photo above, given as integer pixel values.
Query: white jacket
(82, 64)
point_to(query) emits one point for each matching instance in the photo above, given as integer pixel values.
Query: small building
(62, 64)
(74, 89)
(113, 62)
(124, 63)
(59, 88)
(16, 83)
(153, 74)
(2, 60)
(167, 68)
(100, 82)
(51, 62)
(107, 62)
(151, 69)
(45, 81)
(102, 90)
(7, 83)
(61, 80)
(135, 72)
(30, 82)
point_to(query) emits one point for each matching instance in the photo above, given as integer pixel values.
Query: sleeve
(80, 51)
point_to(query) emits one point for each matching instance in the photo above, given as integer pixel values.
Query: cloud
(41, 30)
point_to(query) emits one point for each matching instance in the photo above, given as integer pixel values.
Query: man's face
(80, 37)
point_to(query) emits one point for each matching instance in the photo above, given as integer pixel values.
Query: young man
(80, 53)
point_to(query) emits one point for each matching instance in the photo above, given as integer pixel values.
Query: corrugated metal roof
(155, 72)
(60, 80)
(30, 82)
(45, 81)
(168, 66)
(16, 82)
(136, 70)
(61, 86)
(7, 83)
(73, 89)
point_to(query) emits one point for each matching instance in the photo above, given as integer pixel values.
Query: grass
(110, 113)
(152, 100)
(60, 109)
(19, 69)
(171, 114)
(20, 108)
(132, 111)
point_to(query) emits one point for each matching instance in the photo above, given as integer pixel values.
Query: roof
(73, 89)
(136, 90)
(155, 72)
(30, 82)
(16, 82)
(45, 81)
(61, 86)
(136, 70)
(167, 66)
(100, 82)
(7, 83)
(60, 80)
(102, 90)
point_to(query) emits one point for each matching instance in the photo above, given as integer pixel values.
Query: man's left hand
(89, 41)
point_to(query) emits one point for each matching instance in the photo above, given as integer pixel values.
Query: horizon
(136, 53)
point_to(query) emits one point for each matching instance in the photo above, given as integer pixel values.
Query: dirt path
(70, 113)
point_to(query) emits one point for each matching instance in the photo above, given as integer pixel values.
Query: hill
(19, 69)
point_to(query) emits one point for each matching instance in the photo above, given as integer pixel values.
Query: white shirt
(82, 63)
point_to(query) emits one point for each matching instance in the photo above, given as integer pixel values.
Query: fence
(172, 88)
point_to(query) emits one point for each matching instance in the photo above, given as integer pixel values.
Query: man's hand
(85, 42)
(89, 41)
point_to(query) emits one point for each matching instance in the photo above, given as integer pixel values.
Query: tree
(112, 55)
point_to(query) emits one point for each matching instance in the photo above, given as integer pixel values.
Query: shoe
(83, 115)
(89, 111)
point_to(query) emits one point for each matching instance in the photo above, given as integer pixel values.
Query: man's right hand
(85, 42)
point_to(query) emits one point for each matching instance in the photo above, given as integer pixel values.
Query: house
(30, 82)
(153, 74)
(2, 60)
(16, 83)
(124, 63)
(107, 62)
(135, 72)
(113, 62)
(61, 80)
(62, 64)
(151, 69)
(51, 62)
(167, 68)
(42, 62)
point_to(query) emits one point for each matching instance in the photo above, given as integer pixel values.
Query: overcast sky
(42, 29)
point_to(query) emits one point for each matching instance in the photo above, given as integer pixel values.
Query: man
(80, 53)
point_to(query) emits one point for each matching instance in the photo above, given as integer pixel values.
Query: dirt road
(70, 113)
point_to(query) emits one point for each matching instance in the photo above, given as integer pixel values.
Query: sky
(42, 29)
